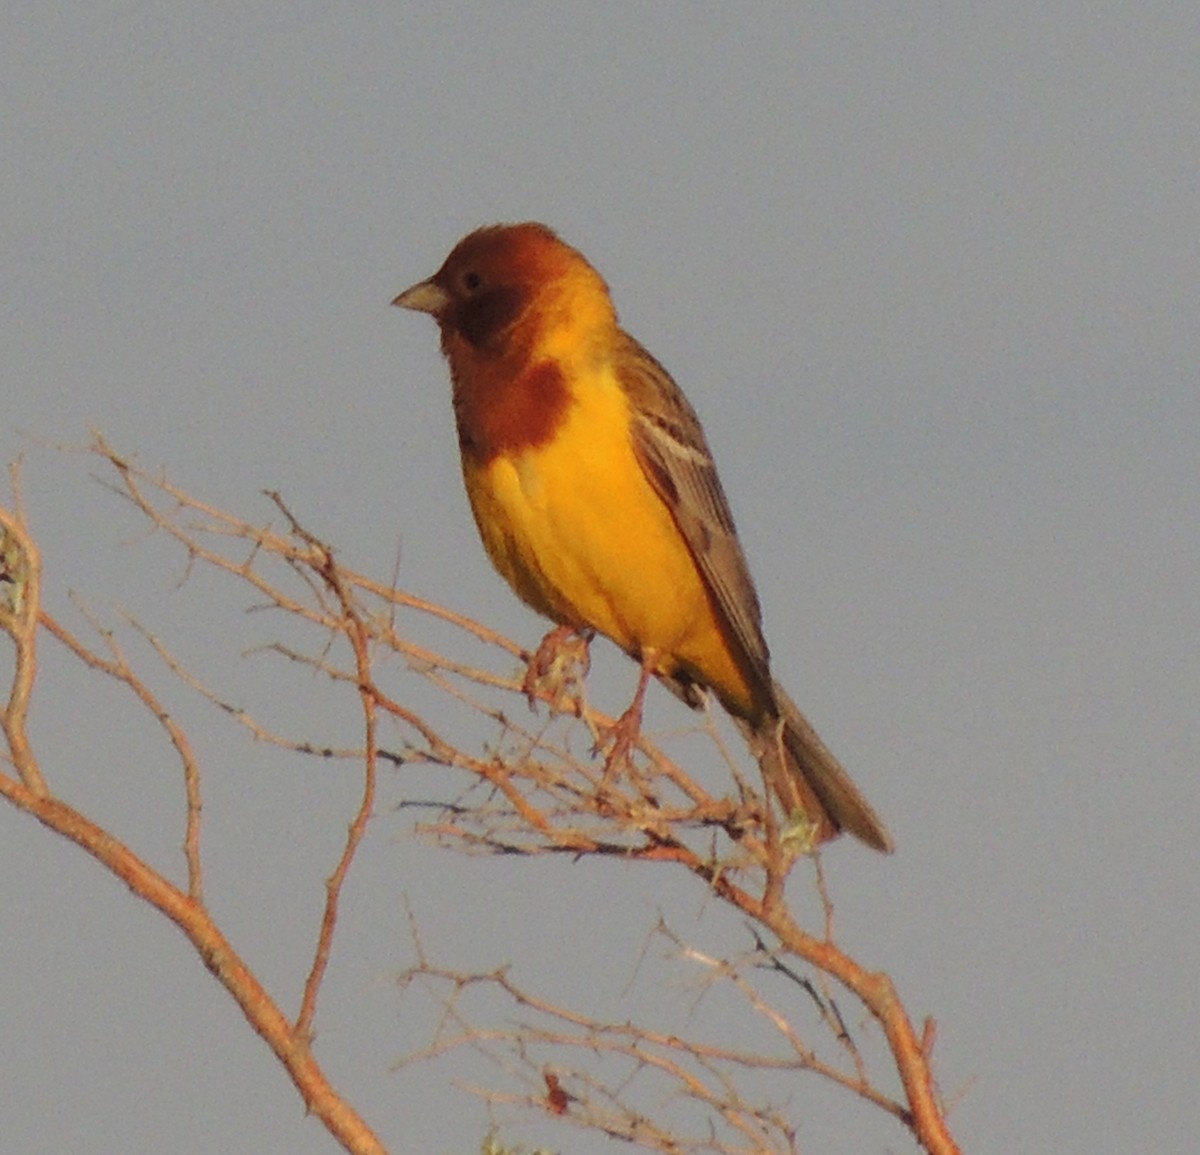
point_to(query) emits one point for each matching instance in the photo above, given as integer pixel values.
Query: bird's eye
(472, 281)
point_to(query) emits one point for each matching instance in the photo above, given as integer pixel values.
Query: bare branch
(20, 598)
(536, 788)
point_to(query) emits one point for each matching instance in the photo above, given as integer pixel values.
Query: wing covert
(674, 454)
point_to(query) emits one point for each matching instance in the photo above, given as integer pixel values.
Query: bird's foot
(620, 739)
(622, 736)
(558, 666)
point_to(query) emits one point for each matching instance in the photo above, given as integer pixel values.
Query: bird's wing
(674, 454)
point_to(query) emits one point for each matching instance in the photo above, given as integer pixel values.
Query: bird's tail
(807, 778)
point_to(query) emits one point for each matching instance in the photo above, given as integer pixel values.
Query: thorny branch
(21, 618)
(536, 788)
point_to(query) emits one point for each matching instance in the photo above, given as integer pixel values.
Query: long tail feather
(806, 777)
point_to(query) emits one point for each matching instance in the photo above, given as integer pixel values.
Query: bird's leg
(551, 669)
(625, 731)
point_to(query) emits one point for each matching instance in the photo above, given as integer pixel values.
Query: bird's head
(504, 278)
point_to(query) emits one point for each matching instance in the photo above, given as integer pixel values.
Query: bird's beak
(424, 297)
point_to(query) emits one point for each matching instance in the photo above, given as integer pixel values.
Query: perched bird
(597, 499)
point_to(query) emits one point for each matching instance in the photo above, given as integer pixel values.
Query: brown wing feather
(674, 454)
(671, 447)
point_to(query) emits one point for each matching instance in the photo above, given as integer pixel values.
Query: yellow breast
(579, 532)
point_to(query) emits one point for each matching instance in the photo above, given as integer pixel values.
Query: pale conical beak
(424, 297)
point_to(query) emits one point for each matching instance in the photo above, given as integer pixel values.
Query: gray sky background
(930, 274)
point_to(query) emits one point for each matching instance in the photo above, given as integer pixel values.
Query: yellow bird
(598, 501)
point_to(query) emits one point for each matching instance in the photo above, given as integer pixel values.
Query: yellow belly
(582, 536)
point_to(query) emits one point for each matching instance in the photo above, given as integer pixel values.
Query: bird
(596, 496)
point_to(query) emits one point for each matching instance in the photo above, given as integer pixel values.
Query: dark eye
(471, 281)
